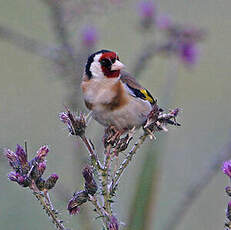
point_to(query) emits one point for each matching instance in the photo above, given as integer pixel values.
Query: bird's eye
(105, 62)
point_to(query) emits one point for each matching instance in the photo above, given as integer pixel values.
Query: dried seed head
(90, 184)
(77, 200)
(75, 124)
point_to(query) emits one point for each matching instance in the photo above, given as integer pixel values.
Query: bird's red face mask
(110, 64)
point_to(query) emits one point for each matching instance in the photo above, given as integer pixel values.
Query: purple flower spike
(188, 53)
(21, 154)
(42, 153)
(147, 12)
(227, 168)
(89, 36)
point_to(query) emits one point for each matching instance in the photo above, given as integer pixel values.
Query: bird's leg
(112, 135)
(121, 146)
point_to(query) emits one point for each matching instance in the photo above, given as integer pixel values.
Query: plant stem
(126, 161)
(94, 159)
(99, 209)
(49, 211)
(105, 180)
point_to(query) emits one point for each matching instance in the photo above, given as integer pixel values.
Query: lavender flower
(21, 155)
(38, 170)
(42, 153)
(147, 12)
(29, 173)
(89, 36)
(227, 168)
(12, 159)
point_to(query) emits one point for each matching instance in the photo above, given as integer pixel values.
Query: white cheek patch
(96, 67)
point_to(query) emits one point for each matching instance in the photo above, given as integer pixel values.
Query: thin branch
(28, 44)
(105, 179)
(49, 212)
(196, 188)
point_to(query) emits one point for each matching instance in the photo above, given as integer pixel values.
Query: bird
(114, 96)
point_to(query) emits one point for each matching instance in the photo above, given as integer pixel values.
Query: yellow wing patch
(147, 97)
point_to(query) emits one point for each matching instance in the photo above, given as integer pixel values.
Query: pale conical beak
(117, 65)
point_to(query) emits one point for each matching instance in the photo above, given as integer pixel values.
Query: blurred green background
(32, 94)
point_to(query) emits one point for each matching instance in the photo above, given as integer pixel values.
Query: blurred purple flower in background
(227, 168)
(89, 36)
(147, 12)
(188, 53)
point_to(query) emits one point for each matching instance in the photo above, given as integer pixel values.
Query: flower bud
(90, 184)
(21, 155)
(13, 176)
(147, 12)
(38, 170)
(228, 190)
(42, 153)
(64, 118)
(227, 168)
(77, 200)
(12, 158)
(40, 183)
(89, 36)
(51, 181)
(24, 181)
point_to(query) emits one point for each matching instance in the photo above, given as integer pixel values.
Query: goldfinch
(114, 96)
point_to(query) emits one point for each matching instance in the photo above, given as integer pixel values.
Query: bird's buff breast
(112, 105)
